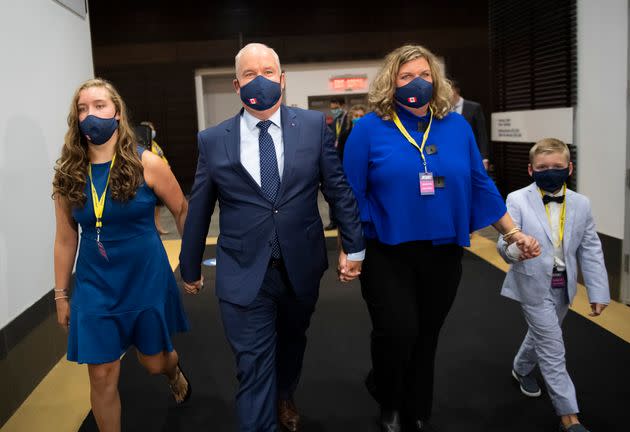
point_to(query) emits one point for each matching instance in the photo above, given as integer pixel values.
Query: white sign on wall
(533, 125)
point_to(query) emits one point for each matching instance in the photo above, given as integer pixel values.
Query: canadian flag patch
(253, 101)
(412, 99)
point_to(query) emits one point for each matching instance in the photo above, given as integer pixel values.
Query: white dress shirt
(459, 106)
(250, 152)
(250, 149)
(555, 210)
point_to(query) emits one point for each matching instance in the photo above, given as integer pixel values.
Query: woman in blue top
(124, 290)
(422, 189)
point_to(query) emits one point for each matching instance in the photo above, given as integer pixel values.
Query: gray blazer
(529, 281)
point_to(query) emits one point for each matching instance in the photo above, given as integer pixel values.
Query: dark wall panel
(151, 50)
(533, 56)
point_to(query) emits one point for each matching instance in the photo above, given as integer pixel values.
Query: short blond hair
(381, 95)
(547, 146)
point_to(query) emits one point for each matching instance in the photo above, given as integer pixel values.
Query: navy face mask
(98, 130)
(261, 93)
(415, 94)
(550, 180)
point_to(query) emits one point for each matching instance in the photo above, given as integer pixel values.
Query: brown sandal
(173, 386)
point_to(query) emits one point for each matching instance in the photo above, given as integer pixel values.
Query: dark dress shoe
(390, 421)
(577, 427)
(422, 426)
(370, 385)
(331, 226)
(288, 415)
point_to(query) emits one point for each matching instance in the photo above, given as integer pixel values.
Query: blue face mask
(98, 130)
(261, 93)
(356, 119)
(415, 94)
(550, 180)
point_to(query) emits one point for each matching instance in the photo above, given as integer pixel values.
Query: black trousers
(409, 289)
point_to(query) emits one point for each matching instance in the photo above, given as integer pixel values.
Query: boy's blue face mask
(550, 180)
(415, 94)
(261, 93)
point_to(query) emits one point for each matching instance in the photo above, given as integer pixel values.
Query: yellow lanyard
(413, 142)
(99, 202)
(338, 127)
(563, 213)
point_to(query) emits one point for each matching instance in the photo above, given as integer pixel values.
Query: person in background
(156, 149)
(338, 126)
(265, 166)
(355, 113)
(473, 113)
(422, 189)
(125, 292)
(545, 287)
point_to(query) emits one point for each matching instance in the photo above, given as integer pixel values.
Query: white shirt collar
(459, 104)
(252, 121)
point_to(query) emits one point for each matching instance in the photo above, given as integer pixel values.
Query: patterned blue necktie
(269, 175)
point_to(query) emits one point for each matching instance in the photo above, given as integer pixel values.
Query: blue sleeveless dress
(130, 298)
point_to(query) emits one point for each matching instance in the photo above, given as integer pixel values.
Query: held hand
(527, 244)
(193, 287)
(597, 309)
(348, 270)
(63, 313)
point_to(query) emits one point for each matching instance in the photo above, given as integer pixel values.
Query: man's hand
(193, 287)
(597, 309)
(527, 244)
(348, 270)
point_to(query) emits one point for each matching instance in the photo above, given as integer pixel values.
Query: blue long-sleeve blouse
(383, 170)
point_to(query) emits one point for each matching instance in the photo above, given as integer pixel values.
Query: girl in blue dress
(124, 290)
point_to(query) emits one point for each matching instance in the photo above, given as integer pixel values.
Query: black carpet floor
(474, 388)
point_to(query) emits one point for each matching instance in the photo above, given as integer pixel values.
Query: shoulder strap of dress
(140, 149)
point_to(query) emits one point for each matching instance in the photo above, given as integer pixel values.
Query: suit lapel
(569, 217)
(232, 142)
(290, 135)
(539, 208)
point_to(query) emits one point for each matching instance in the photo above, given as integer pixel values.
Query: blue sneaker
(529, 385)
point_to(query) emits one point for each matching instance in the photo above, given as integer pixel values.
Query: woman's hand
(63, 313)
(193, 287)
(348, 270)
(527, 244)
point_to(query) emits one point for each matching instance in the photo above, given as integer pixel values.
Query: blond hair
(547, 146)
(382, 89)
(71, 168)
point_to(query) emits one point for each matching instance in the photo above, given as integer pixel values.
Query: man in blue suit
(265, 167)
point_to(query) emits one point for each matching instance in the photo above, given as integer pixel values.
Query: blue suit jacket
(247, 218)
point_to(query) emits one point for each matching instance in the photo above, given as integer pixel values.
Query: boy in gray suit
(561, 221)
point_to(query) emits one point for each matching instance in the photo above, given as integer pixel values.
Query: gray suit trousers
(544, 346)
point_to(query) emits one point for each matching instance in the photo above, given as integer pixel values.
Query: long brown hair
(71, 168)
(381, 94)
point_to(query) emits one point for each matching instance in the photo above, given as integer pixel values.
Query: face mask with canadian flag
(261, 93)
(415, 94)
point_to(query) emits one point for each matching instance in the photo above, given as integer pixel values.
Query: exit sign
(348, 82)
